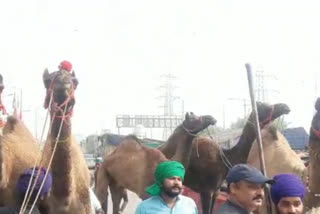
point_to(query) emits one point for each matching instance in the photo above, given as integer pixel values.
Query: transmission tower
(168, 98)
(262, 90)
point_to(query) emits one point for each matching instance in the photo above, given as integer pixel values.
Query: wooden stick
(258, 134)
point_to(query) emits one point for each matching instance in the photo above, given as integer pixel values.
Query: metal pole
(258, 134)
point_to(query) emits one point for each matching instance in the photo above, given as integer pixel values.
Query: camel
(277, 150)
(71, 179)
(312, 201)
(208, 169)
(2, 108)
(18, 151)
(278, 155)
(131, 165)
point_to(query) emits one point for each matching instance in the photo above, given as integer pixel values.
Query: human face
(172, 186)
(248, 195)
(290, 205)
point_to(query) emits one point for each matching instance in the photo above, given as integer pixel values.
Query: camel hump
(317, 105)
(10, 124)
(133, 137)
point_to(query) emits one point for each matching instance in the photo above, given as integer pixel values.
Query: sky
(120, 48)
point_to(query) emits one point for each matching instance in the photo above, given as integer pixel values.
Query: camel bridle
(316, 132)
(54, 108)
(191, 132)
(268, 119)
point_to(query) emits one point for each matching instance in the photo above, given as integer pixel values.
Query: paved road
(131, 207)
(132, 204)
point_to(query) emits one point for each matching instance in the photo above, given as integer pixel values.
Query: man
(245, 188)
(22, 186)
(23, 183)
(165, 192)
(98, 162)
(288, 194)
(95, 203)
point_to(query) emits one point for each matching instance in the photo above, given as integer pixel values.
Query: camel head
(194, 124)
(268, 113)
(60, 85)
(315, 124)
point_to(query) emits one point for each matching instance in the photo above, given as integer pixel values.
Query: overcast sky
(120, 48)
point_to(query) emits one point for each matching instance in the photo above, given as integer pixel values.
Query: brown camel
(276, 150)
(2, 108)
(208, 169)
(18, 151)
(312, 202)
(279, 157)
(71, 180)
(131, 165)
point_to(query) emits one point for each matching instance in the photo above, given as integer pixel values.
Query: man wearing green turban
(165, 192)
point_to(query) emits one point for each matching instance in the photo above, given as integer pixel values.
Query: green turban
(165, 170)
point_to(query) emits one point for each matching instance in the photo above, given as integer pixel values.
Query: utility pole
(245, 104)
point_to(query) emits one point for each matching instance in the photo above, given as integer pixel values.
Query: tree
(239, 124)
(281, 124)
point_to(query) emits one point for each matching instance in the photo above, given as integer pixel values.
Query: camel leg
(101, 188)
(212, 201)
(116, 195)
(205, 202)
(125, 200)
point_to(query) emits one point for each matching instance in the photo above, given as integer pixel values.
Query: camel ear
(259, 103)
(74, 79)
(317, 105)
(46, 78)
(187, 116)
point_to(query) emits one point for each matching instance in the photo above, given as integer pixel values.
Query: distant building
(297, 137)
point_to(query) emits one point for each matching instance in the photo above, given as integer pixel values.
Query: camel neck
(313, 186)
(184, 146)
(239, 153)
(61, 164)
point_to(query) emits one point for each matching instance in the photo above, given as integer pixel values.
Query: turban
(165, 170)
(287, 185)
(24, 179)
(65, 65)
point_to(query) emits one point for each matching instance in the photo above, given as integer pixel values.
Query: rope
(26, 202)
(27, 197)
(50, 162)
(223, 157)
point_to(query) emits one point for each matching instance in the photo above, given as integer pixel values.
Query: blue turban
(287, 185)
(23, 182)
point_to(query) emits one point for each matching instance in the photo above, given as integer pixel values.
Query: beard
(172, 192)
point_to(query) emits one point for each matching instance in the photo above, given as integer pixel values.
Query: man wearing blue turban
(37, 177)
(288, 193)
(165, 192)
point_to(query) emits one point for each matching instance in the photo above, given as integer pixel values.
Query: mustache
(257, 197)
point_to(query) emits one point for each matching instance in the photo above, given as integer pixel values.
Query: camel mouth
(280, 109)
(209, 120)
(286, 110)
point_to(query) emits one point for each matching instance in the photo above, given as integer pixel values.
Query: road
(132, 204)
